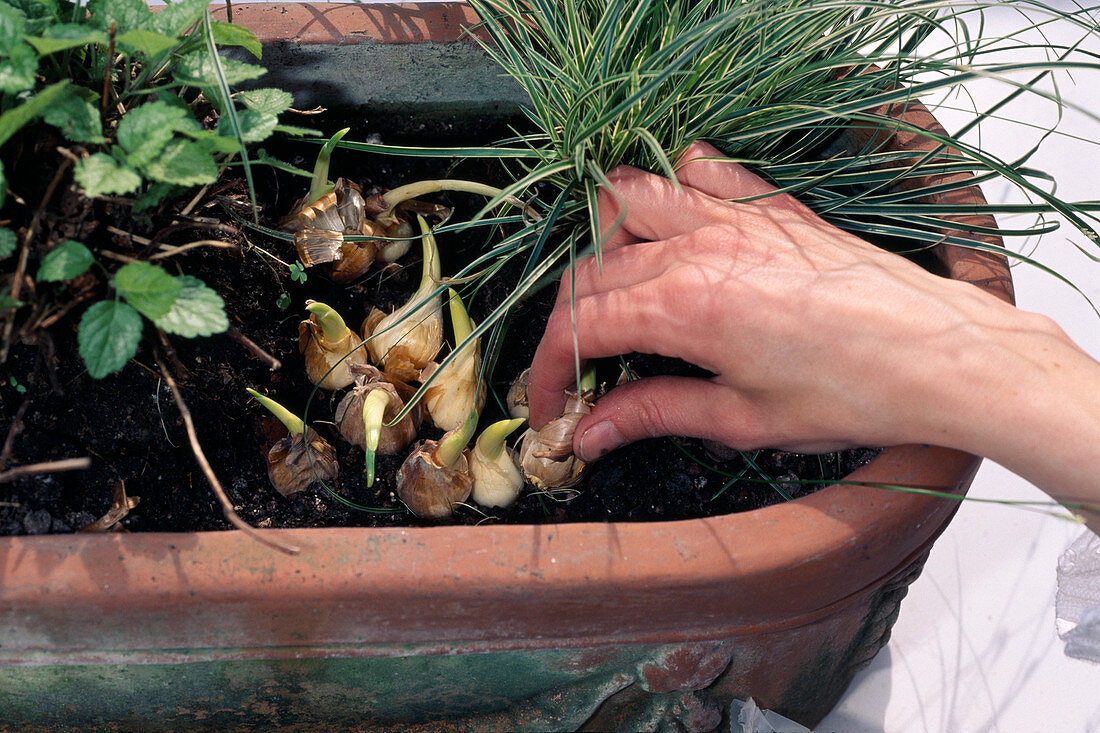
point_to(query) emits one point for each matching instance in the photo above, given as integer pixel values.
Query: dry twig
(120, 507)
(254, 348)
(171, 251)
(34, 469)
(135, 238)
(200, 458)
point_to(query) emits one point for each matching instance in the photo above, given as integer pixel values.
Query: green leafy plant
(142, 101)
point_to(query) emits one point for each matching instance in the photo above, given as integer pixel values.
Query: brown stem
(24, 252)
(108, 64)
(181, 370)
(173, 251)
(47, 359)
(51, 317)
(190, 222)
(200, 458)
(134, 238)
(255, 348)
(198, 196)
(5, 453)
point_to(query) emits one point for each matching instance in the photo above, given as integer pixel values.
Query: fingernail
(599, 440)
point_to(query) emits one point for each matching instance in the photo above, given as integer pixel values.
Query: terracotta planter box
(628, 626)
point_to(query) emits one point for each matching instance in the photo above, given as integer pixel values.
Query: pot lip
(806, 547)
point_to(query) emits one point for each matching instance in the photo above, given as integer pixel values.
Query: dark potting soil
(129, 426)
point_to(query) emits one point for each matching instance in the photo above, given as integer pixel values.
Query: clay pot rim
(804, 557)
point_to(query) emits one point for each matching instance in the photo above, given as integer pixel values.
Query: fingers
(658, 406)
(610, 205)
(704, 168)
(647, 220)
(605, 324)
(652, 208)
(622, 268)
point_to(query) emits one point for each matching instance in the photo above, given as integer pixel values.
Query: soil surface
(129, 426)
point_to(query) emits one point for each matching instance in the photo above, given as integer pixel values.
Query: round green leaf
(144, 131)
(127, 15)
(12, 26)
(230, 34)
(184, 162)
(77, 119)
(147, 42)
(197, 310)
(17, 71)
(196, 69)
(147, 287)
(268, 100)
(67, 261)
(63, 36)
(100, 173)
(108, 337)
(254, 126)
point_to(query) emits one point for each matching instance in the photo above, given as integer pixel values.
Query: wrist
(1021, 393)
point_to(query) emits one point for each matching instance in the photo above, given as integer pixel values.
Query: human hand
(818, 340)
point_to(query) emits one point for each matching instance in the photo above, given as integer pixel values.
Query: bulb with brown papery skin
(546, 455)
(349, 413)
(330, 349)
(436, 475)
(299, 459)
(405, 341)
(400, 234)
(319, 226)
(455, 388)
(292, 468)
(516, 400)
(429, 488)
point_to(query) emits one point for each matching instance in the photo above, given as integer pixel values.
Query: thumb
(658, 406)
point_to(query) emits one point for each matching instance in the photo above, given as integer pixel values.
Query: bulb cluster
(381, 365)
